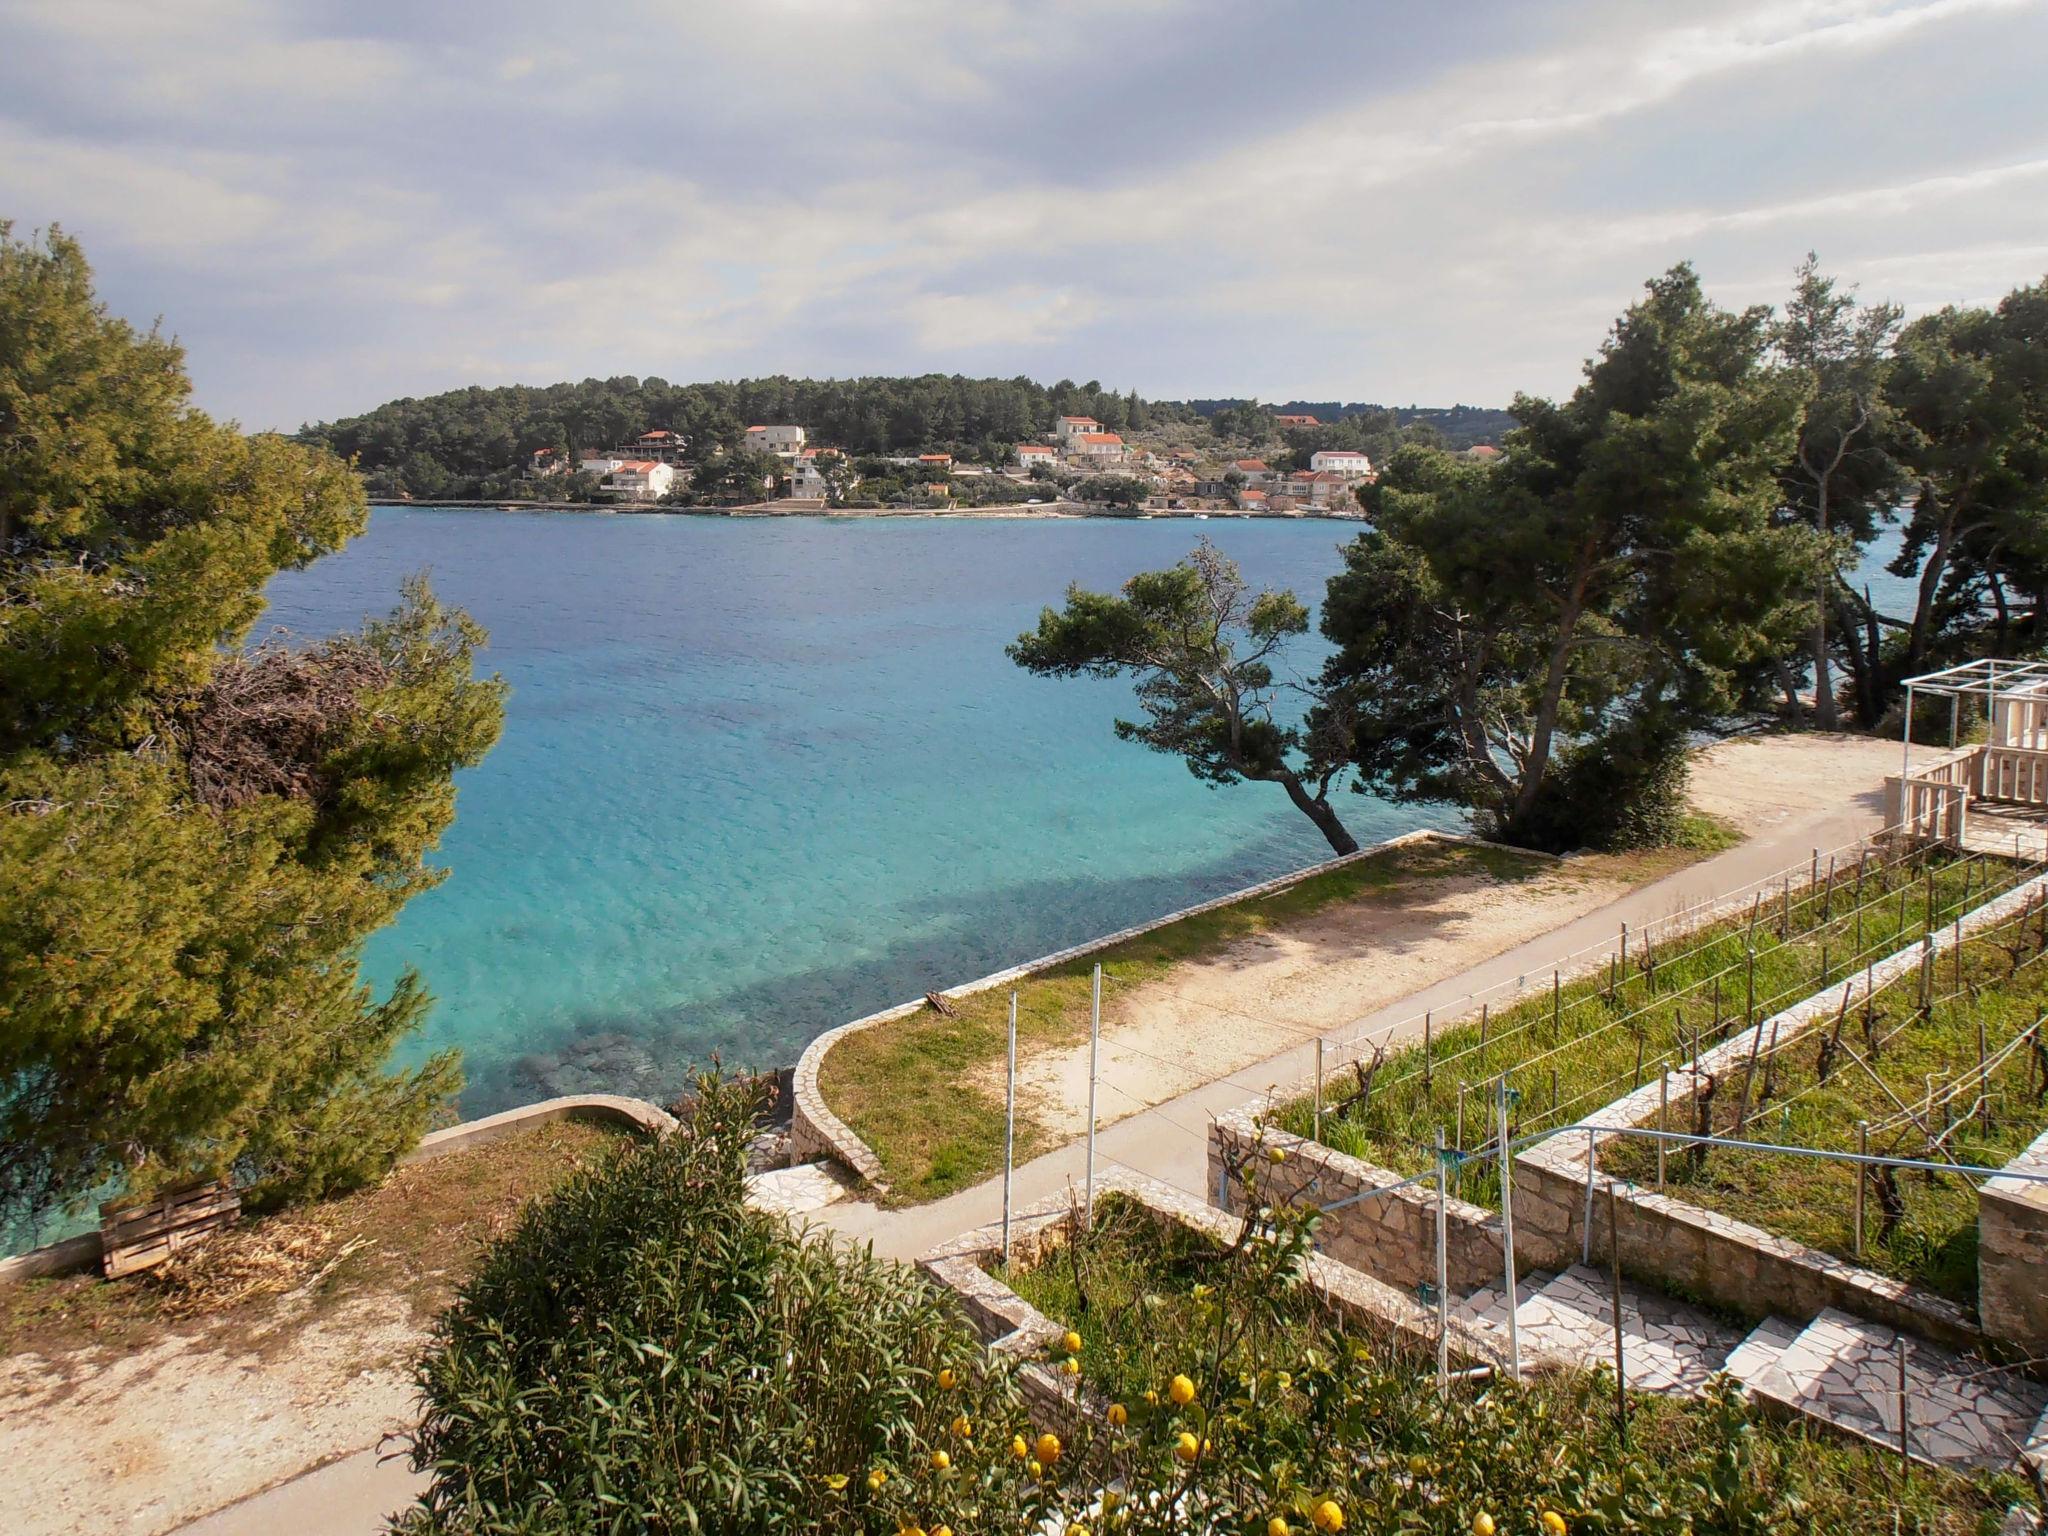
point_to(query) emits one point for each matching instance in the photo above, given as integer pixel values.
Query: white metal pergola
(1995, 681)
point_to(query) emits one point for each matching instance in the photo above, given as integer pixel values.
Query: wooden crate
(136, 1235)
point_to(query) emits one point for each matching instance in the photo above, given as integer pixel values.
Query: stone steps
(1842, 1371)
(1568, 1319)
(797, 1190)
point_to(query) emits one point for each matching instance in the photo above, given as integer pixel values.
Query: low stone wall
(816, 1132)
(2012, 1255)
(1390, 1237)
(83, 1252)
(1711, 1256)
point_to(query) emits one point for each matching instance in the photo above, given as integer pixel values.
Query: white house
(599, 464)
(1031, 454)
(635, 479)
(1255, 471)
(781, 440)
(806, 479)
(1340, 461)
(1096, 447)
(1320, 487)
(1071, 427)
(660, 444)
(544, 462)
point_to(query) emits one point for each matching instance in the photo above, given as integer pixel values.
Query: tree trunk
(1318, 811)
(1823, 686)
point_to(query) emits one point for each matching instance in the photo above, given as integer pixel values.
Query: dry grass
(414, 1236)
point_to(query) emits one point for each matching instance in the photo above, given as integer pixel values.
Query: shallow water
(760, 777)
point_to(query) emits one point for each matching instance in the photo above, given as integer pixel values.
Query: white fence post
(1443, 1275)
(1094, 1040)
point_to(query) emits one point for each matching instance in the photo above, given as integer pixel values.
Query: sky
(337, 202)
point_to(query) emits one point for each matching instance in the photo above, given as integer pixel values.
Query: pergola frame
(1990, 679)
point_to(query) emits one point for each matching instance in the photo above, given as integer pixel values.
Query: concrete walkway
(1169, 1141)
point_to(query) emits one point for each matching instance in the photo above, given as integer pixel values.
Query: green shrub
(1624, 789)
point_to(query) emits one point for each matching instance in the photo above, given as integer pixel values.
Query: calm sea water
(758, 778)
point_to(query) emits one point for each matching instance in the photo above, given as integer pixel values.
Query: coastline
(1050, 511)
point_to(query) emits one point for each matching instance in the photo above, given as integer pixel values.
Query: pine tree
(196, 838)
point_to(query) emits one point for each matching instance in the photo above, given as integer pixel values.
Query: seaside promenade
(1167, 1141)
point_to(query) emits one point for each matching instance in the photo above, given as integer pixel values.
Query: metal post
(1556, 1007)
(1009, 1129)
(1319, 1088)
(1427, 1020)
(1463, 1089)
(1443, 1270)
(1586, 1238)
(1955, 709)
(1094, 1041)
(1663, 1124)
(1620, 1367)
(1507, 1232)
(1905, 1451)
(1862, 1170)
(1906, 758)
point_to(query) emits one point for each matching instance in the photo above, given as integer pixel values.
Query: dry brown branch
(267, 721)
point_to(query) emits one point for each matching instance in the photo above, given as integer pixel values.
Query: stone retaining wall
(816, 1132)
(1391, 1237)
(83, 1252)
(2012, 1255)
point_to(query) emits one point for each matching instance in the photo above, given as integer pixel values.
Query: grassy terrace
(1569, 1052)
(1421, 1465)
(910, 1088)
(1914, 1075)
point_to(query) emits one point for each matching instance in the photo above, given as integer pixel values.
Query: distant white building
(1031, 454)
(660, 444)
(546, 461)
(1321, 487)
(783, 441)
(1256, 472)
(634, 479)
(806, 479)
(1070, 427)
(1340, 461)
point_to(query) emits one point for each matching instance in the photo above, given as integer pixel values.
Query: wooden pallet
(140, 1235)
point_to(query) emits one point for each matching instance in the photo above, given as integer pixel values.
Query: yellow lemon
(942, 1530)
(1034, 1468)
(1553, 1523)
(1283, 1381)
(1077, 1530)
(1418, 1465)
(1072, 1342)
(1482, 1524)
(875, 1480)
(1329, 1516)
(1181, 1390)
(1119, 1416)
(1278, 1527)
(1187, 1447)
(837, 1481)
(1018, 1448)
(1070, 1366)
(948, 1379)
(941, 1461)
(1048, 1448)
(1278, 1154)
(961, 1426)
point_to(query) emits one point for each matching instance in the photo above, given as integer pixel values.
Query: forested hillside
(465, 442)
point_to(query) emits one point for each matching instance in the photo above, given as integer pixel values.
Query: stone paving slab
(1666, 1345)
(1961, 1412)
(799, 1190)
(1758, 1361)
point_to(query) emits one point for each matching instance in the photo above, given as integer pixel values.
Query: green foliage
(646, 1353)
(474, 441)
(1626, 790)
(195, 841)
(1201, 645)
(1617, 578)
(1113, 490)
(737, 479)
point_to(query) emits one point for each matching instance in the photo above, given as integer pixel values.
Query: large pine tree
(196, 837)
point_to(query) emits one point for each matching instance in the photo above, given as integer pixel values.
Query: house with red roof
(1096, 448)
(1341, 461)
(783, 441)
(1069, 427)
(1029, 454)
(1296, 421)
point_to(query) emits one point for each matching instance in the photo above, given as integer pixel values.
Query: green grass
(1488, 1448)
(908, 1087)
(1701, 833)
(1609, 1032)
(2002, 986)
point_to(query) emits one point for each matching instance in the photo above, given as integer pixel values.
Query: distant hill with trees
(470, 442)
(1459, 426)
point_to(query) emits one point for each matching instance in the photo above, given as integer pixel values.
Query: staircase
(1837, 1371)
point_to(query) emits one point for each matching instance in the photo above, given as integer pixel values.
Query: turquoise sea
(761, 777)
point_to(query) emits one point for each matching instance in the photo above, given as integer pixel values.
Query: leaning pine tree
(196, 837)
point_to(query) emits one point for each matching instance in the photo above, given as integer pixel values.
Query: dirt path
(1756, 782)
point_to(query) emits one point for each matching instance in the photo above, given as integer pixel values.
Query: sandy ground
(1756, 782)
(1213, 1018)
(143, 1440)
